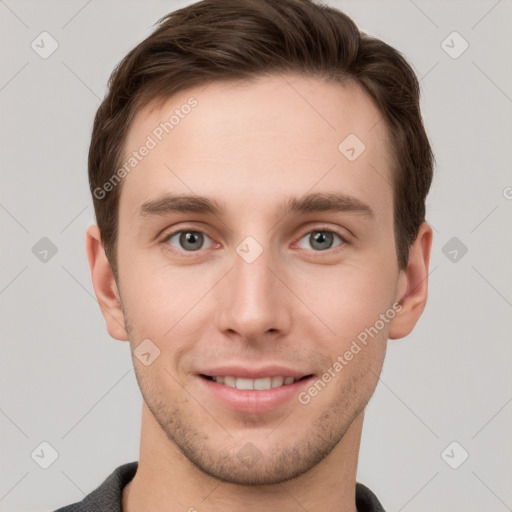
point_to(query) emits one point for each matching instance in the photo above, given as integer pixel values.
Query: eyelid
(345, 235)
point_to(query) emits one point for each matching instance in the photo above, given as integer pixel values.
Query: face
(270, 278)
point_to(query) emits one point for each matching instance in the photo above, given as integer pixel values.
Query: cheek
(162, 301)
(349, 298)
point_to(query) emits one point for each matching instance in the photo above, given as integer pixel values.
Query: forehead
(271, 136)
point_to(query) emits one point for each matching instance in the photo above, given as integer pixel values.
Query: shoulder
(107, 497)
(366, 501)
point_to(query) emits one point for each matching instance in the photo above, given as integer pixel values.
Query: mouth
(253, 392)
(260, 384)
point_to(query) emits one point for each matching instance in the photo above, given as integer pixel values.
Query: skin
(249, 146)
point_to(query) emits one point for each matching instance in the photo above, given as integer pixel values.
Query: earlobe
(105, 286)
(413, 285)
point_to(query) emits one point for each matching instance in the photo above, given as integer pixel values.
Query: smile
(254, 384)
(253, 395)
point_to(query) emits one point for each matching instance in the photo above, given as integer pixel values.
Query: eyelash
(323, 229)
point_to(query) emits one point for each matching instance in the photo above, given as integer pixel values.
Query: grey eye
(320, 240)
(188, 240)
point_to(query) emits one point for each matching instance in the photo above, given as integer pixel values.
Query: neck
(167, 481)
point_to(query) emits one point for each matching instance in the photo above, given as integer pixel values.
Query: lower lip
(247, 400)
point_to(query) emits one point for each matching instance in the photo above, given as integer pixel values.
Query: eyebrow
(311, 203)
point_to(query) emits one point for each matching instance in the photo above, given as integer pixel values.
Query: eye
(188, 240)
(320, 239)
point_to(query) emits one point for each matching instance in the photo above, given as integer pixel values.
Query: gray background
(63, 380)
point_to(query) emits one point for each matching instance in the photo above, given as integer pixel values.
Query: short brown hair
(218, 40)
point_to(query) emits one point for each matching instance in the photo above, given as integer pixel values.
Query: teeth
(265, 383)
(277, 381)
(258, 384)
(244, 383)
(229, 381)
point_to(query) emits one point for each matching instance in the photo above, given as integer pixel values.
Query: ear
(105, 286)
(412, 290)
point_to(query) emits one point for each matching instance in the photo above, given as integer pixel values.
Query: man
(288, 148)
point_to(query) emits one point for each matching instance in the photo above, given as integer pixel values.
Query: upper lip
(253, 373)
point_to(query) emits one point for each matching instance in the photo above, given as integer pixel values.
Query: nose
(253, 303)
